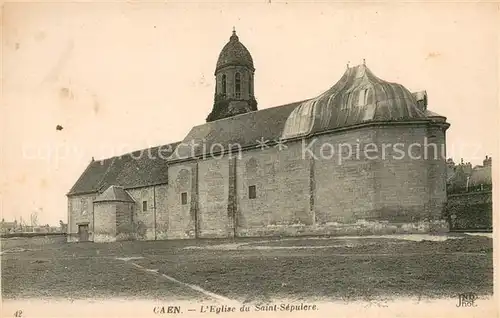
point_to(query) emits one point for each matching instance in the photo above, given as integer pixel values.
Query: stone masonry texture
(325, 184)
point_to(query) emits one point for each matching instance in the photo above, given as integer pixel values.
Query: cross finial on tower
(348, 64)
(234, 37)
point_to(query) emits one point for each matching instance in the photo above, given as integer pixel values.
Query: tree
(34, 218)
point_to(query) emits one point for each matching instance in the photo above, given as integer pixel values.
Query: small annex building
(113, 215)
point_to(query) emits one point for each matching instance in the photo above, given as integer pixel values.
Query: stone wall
(80, 211)
(144, 220)
(343, 181)
(104, 222)
(182, 217)
(282, 186)
(337, 188)
(470, 211)
(401, 180)
(213, 182)
(437, 171)
(124, 221)
(162, 213)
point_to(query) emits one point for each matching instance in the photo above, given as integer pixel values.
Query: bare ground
(248, 270)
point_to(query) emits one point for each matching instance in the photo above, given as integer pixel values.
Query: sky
(124, 76)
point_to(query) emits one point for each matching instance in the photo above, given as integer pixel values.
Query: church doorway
(83, 232)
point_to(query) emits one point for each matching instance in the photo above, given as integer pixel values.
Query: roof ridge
(157, 146)
(254, 111)
(131, 152)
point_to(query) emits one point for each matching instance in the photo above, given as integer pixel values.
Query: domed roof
(358, 97)
(234, 53)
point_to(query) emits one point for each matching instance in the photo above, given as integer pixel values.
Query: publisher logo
(467, 300)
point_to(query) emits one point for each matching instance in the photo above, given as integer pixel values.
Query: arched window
(237, 85)
(363, 97)
(224, 84)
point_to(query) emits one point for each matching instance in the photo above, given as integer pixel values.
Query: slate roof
(92, 176)
(132, 170)
(244, 130)
(114, 194)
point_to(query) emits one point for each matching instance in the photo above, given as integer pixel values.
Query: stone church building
(364, 157)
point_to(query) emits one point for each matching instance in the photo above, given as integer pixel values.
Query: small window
(184, 198)
(144, 205)
(252, 192)
(224, 84)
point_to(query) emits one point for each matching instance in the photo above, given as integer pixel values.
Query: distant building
(480, 178)
(470, 200)
(465, 178)
(8, 227)
(27, 228)
(41, 229)
(55, 229)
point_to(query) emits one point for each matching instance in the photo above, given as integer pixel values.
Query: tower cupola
(234, 76)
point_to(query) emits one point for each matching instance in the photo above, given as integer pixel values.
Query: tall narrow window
(237, 85)
(363, 96)
(144, 206)
(250, 86)
(252, 192)
(184, 198)
(223, 84)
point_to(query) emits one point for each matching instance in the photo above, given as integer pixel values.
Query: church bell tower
(234, 76)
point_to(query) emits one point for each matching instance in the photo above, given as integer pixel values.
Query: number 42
(18, 313)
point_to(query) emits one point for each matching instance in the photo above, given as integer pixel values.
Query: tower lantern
(234, 77)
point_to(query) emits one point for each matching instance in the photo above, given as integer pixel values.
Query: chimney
(487, 161)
